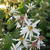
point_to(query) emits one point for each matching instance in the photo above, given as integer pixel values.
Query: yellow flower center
(30, 27)
(21, 38)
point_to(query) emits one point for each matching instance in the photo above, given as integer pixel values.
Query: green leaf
(2, 14)
(48, 35)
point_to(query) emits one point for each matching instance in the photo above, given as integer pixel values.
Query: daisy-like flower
(13, 47)
(22, 41)
(28, 30)
(39, 41)
(30, 6)
(33, 45)
(13, 10)
(22, 21)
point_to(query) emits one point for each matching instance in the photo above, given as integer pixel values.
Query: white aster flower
(18, 17)
(39, 41)
(30, 6)
(30, 29)
(13, 10)
(22, 41)
(21, 20)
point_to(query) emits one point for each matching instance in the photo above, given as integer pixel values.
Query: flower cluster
(30, 37)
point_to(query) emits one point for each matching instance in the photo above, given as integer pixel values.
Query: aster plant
(23, 24)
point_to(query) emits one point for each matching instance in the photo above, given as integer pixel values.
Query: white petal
(34, 40)
(20, 48)
(30, 35)
(15, 39)
(18, 25)
(31, 3)
(16, 17)
(33, 6)
(11, 48)
(28, 40)
(27, 6)
(24, 31)
(29, 21)
(35, 23)
(38, 44)
(26, 21)
(30, 48)
(14, 48)
(24, 28)
(1, 39)
(25, 44)
(11, 18)
(28, 10)
(23, 35)
(26, 15)
(18, 44)
(36, 31)
(42, 43)
(27, 35)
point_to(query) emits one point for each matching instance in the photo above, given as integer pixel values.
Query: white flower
(39, 41)
(30, 29)
(18, 17)
(30, 6)
(23, 41)
(13, 10)
(21, 19)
